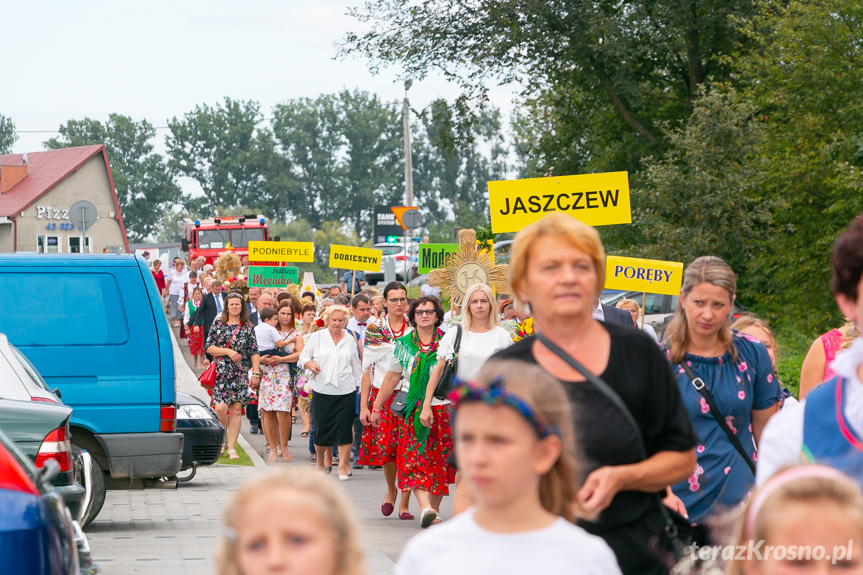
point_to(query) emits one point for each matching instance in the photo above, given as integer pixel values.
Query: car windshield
(11, 384)
(219, 238)
(240, 238)
(389, 249)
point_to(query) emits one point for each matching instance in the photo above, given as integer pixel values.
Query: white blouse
(475, 348)
(340, 364)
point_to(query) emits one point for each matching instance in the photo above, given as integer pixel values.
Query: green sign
(433, 256)
(264, 277)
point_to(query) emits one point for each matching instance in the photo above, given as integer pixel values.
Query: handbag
(208, 378)
(399, 405)
(447, 378)
(702, 390)
(674, 523)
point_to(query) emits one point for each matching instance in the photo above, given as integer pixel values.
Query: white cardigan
(340, 364)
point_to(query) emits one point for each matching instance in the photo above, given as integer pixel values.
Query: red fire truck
(211, 237)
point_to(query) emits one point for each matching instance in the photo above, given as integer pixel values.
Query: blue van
(94, 327)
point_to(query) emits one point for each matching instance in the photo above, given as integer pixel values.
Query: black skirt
(334, 418)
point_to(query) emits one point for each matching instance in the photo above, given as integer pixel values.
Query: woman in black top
(558, 268)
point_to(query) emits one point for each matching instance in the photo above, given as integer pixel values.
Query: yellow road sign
(650, 276)
(281, 251)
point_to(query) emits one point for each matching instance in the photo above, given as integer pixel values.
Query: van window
(61, 309)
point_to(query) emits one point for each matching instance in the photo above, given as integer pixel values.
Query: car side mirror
(184, 244)
(56, 391)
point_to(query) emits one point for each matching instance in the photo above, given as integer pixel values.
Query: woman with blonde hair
(291, 521)
(632, 427)
(728, 387)
(479, 336)
(515, 447)
(333, 357)
(635, 310)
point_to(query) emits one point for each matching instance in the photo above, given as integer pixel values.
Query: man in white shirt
(177, 277)
(361, 308)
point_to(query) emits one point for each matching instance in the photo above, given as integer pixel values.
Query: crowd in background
(578, 440)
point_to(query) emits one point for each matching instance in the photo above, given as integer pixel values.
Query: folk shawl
(419, 365)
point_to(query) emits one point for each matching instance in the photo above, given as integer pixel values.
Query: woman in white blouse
(481, 337)
(333, 357)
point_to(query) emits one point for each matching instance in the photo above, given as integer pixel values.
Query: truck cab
(214, 236)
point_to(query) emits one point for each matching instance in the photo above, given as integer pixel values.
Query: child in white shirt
(515, 447)
(270, 341)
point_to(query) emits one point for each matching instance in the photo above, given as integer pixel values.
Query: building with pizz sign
(37, 192)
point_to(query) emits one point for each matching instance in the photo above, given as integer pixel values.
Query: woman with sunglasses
(422, 451)
(232, 343)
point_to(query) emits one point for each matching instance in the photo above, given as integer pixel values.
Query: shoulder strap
(702, 390)
(601, 385)
(457, 345)
(670, 527)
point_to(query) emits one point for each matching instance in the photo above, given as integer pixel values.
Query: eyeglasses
(233, 295)
(397, 300)
(425, 312)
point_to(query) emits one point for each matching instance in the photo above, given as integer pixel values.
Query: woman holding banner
(633, 429)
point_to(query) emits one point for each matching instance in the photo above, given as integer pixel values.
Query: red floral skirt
(426, 470)
(196, 341)
(380, 444)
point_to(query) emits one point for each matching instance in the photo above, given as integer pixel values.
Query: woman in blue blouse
(738, 373)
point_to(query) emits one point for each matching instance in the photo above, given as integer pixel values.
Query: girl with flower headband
(515, 447)
(800, 512)
(422, 451)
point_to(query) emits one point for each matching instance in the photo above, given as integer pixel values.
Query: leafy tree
(221, 148)
(344, 155)
(637, 63)
(806, 77)
(144, 183)
(8, 137)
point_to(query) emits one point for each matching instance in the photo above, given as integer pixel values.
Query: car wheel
(92, 478)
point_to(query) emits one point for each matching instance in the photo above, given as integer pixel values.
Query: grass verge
(243, 460)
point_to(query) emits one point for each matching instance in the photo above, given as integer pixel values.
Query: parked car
(202, 432)
(37, 533)
(405, 263)
(657, 307)
(38, 423)
(94, 327)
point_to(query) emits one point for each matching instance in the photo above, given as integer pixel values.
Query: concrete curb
(259, 462)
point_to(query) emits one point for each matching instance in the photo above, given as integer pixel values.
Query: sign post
(83, 214)
(648, 276)
(281, 251)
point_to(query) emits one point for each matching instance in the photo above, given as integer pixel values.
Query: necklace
(401, 332)
(426, 348)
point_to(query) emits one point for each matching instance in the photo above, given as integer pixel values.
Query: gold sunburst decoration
(467, 267)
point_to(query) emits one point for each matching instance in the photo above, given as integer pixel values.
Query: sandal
(232, 454)
(304, 434)
(427, 518)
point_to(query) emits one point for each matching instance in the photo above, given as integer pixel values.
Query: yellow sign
(352, 258)
(649, 276)
(595, 199)
(281, 251)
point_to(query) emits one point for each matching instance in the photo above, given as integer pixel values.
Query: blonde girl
(515, 447)
(811, 518)
(291, 521)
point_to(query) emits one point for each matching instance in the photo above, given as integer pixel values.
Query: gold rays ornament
(467, 267)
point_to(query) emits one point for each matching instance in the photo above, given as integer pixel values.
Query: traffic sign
(412, 220)
(82, 214)
(400, 212)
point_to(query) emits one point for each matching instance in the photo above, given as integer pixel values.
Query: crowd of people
(575, 441)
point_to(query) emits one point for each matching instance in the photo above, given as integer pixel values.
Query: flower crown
(495, 394)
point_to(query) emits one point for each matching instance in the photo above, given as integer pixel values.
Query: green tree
(806, 77)
(144, 183)
(621, 67)
(8, 137)
(221, 148)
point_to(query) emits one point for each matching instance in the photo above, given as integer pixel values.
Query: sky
(157, 60)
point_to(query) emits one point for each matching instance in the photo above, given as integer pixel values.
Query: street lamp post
(406, 118)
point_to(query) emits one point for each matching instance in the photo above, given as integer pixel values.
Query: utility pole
(409, 178)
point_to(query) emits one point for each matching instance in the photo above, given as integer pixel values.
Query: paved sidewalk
(167, 532)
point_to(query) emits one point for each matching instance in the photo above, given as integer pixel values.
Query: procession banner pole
(353, 282)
